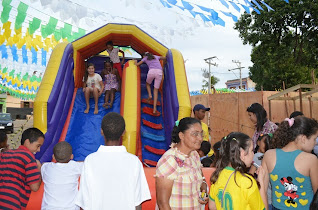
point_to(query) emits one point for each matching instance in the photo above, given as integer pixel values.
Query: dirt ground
(19, 126)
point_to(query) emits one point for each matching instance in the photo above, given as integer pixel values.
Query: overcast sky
(173, 27)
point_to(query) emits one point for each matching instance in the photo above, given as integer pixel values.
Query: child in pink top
(154, 73)
(112, 83)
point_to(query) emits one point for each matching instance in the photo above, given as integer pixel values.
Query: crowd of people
(277, 171)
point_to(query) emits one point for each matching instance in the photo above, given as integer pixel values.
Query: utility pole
(239, 67)
(209, 61)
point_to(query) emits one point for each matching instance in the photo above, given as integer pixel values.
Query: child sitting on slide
(113, 55)
(93, 87)
(154, 73)
(112, 83)
(61, 179)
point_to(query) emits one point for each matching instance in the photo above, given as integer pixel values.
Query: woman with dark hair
(258, 116)
(292, 169)
(179, 179)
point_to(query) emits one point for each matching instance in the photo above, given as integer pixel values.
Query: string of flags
(212, 15)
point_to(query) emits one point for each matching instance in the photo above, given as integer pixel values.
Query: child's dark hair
(110, 43)
(108, 61)
(205, 147)
(206, 162)
(149, 56)
(261, 115)
(3, 136)
(268, 142)
(33, 134)
(230, 154)
(62, 152)
(113, 126)
(216, 150)
(296, 114)
(301, 126)
(86, 72)
(184, 125)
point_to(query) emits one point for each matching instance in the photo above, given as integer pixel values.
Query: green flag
(6, 10)
(34, 25)
(22, 9)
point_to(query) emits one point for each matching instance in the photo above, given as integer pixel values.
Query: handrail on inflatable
(54, 97)
(130, 106)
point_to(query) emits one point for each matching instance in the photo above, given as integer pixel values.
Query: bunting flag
(25, 45)
(212, 15)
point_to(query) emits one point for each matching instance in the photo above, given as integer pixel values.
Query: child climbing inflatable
(154, 73)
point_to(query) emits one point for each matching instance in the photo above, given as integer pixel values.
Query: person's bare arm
(252, 170)
(162, 58)
(36, 186)
(313, 173)
(138, 207)
(102, 88)
(163, 192)
(212, 205)
(123, 60)
(139, 63)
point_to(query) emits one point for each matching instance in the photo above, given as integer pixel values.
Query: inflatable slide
(60, 103)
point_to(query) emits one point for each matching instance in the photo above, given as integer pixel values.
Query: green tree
(205, 82)
(284, 43)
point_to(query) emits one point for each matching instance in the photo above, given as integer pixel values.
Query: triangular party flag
(193, 13)
(224, 3)
(256, 10)
(34, 25)
(50, 27)
(268, 7)
(22, 9)
(257, 4)
(187, 5)
(203, 17)
(235, 6)
(66, 31)
(172, 2)
(246, 8)
(6, 10)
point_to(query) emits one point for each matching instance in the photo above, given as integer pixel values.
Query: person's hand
(123, 61)
(135, 61)
(205, 199)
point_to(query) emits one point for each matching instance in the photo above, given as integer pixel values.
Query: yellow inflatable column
(130, 106)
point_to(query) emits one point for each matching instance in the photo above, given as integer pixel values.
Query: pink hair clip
(290, 121)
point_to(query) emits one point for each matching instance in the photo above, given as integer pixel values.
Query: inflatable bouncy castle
(60, 103)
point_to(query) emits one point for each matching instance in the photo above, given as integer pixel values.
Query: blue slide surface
(84, 131)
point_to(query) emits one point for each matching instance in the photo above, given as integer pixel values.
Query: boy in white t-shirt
(61, 179)
(112, 178)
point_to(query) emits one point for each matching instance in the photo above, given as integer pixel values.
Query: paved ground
(19, 126)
